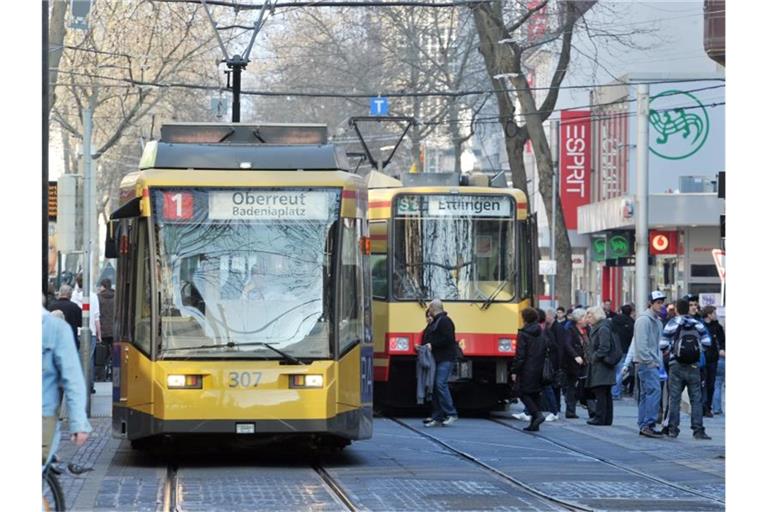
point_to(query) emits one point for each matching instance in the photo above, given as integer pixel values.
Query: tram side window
(126, 278)
(524, 250)
(143, 310)
(379, 275)
(351, 291)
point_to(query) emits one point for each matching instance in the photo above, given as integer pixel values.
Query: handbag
(548, 371)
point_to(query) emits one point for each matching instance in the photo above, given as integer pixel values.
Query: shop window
(704, 271)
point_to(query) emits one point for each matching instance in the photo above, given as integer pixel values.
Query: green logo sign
(619, 245)
(679, 125)
(598, 249)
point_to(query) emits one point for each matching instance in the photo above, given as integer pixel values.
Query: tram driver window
(143, 319)
(351, 291)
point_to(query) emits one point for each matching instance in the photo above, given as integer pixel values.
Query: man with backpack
(685, 339)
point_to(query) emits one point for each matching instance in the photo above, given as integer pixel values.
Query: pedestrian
(561, 315)
(573, 363)
(671, 313)
(555, 333)
(711, 356)
(72, 313)
(600, 374)
(94, 322)
(685, 338)
(623, 325)
(717, 396)
(607, 309)
(693, 306)
(646, 356)
(528, 366)
(440, 339)
(62, 375)
(106, 297)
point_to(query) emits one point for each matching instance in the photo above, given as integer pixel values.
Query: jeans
(717, 396)
(708, 381)
(616, 388)
(685, 376)
(649, 388)
(551, 400)
(442, 402)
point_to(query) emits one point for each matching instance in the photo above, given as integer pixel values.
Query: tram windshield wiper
(232, 344)
(496, 292)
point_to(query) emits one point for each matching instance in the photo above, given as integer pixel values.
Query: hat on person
(656, 295)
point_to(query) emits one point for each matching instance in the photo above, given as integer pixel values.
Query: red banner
(575, 152)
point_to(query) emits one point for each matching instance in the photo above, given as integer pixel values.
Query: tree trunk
(57, 31)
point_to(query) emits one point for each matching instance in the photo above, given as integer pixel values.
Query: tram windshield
(454, 247)
(243, 269)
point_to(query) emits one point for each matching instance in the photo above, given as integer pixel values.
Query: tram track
(621, 467)
(335, 488)
(566, 505)
(170, 487)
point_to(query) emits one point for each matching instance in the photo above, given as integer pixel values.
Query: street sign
(620, 244)
(379, 106)
(598, 249)
(719, 256)
(547, 267)
(709, 299)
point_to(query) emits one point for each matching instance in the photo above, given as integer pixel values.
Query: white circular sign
(660, 242)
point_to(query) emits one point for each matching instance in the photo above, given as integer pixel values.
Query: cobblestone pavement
(612, 468)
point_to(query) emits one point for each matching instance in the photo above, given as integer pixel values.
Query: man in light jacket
(647, 357)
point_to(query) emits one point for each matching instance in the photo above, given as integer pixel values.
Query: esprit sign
(574, 163)
(662, 242)
(268, 205)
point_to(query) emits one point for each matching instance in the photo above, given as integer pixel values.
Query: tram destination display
(449, 205)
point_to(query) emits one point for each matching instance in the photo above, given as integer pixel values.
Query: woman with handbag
(574, 364)
(600, 375)
(529, 366)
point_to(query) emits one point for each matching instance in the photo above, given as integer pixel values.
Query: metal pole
(553, 145)
(236, 70)
(641, 221)
(45, 146)
(88, 201)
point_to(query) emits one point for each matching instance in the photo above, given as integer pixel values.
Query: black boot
(535, 422)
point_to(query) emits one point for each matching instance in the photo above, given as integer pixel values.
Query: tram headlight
(306, 381)
(185, 381)
(399, 344)
(505, 345)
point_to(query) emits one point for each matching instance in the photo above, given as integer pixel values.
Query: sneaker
(449, 420)
(521, 416)
(426, 420)
(700, 434)
(649, 432)
(708, 414)
(673, 433)
(551, 417)
(434, 423)
(571, 416)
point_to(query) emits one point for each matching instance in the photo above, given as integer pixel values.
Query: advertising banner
(575, 161)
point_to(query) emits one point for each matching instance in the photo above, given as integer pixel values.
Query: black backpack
(687, 345)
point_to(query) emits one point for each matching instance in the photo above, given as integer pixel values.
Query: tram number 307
(244, 379)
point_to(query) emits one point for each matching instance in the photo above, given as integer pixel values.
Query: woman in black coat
(600, 375)
(529, 365)
(574, 361)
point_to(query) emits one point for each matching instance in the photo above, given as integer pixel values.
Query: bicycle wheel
(53, 496)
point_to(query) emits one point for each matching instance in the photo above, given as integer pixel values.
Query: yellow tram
(470, 246)
(243, 287)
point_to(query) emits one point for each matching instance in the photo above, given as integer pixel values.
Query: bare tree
(503, 51)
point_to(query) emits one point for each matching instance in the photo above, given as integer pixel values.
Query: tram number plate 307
(243, 379)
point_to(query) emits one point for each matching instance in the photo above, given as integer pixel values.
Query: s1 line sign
(575, 152)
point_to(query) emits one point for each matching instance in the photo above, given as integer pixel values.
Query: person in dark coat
(624, 326)
(600, 375)
(528, 366)
(712, 356)
(573, 362)
(72, 312)
(440, 338)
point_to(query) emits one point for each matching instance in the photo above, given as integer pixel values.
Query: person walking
(72, 312)
(62, 374)
(711, 356)
(600, 374)
(552, 392)
(107, 320)
(528, 366)
(647, 358)
(441, 340)
(623, 325)
(685, 339)
(573, 362)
